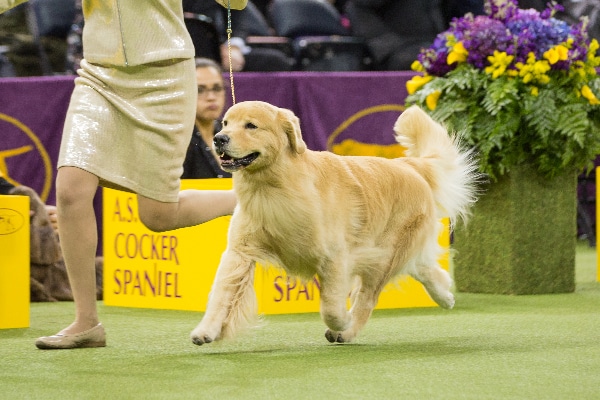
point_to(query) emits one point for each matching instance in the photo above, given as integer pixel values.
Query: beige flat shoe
(235, 4)
(95, 337)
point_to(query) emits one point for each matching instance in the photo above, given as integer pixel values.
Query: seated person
(201, 160)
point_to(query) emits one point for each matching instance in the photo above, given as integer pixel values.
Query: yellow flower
(541, 67)
(458, 54)
(594, 45)
(417, 66)
(563, 52)
(591, 55)
(450, 40)
(534, 71)
(535, 91)
(432, 99)
(557, 53)
(551, 55)
(416, 82)
(589, 95)
(499, 61)
(579, 70)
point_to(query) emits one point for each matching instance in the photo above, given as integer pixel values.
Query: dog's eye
(250, 125)
(224, 122)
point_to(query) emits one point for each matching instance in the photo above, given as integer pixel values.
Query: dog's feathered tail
(450, 170)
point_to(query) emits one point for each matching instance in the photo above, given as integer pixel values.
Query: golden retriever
(355, 222)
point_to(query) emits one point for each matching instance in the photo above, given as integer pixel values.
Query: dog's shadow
(372, 352)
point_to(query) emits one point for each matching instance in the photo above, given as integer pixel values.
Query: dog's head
(254, 134)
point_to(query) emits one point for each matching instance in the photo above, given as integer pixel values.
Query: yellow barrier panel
(14, 269)
(279, 294)
(175, 269)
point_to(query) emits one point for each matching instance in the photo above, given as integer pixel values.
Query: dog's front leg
(232, 301)
(335, 289)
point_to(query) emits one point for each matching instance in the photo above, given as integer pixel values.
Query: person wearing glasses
(127, 127)
(201, 161)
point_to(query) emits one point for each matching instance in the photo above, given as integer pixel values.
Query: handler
(127, 127)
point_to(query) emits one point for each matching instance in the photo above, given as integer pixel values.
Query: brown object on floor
(48, 276)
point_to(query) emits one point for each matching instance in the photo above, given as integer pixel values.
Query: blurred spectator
(74, 43)
(539, 5)
(458, 8)
(263, 5)
(34, 34)
(319, 35)
(207, 24)
(247, 22)
(6, 67)
(201, 160)
(396, 30)
(340, 5)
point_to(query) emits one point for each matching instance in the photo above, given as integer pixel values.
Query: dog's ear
(291, 126)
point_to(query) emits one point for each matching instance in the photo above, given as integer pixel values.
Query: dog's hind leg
(364, 300)
(232, 302)
(335, 288)
(436, 280)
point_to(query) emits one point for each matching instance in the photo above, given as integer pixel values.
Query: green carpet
(487, 347)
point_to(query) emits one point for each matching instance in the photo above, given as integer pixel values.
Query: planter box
(521, 237)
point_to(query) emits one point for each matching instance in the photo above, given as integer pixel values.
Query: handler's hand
(235, 4)
(6, 5)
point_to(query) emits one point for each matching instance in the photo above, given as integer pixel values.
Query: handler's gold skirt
(131, 126)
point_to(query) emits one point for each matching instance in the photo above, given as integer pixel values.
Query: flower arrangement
(519, 85)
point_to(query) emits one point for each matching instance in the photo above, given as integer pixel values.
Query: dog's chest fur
(282, 227)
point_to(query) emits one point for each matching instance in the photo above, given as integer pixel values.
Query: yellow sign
(14, 270)
(167, 270)
(175, 269)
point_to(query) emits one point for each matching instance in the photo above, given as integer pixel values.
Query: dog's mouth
(231, 164)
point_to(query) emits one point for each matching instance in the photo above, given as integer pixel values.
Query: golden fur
(350, 220)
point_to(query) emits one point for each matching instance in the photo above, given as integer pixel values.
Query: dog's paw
(336, 337)
(446, 301)
(200, 340)
(201, 335)
(333, 337)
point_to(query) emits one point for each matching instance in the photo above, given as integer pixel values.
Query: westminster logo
(21, 149)
(10, 221)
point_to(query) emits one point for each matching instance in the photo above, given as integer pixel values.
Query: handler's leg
(75, 190)
(194, 207)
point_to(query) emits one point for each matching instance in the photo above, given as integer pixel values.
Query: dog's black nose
(220, 140)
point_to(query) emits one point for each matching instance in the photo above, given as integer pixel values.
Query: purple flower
(505, 28)
(535, 34)
(483, 37)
